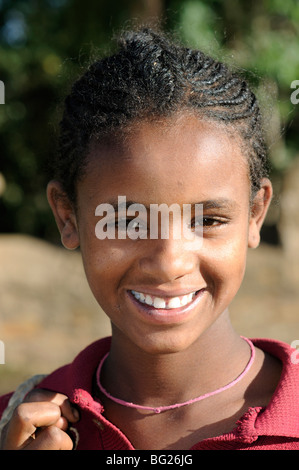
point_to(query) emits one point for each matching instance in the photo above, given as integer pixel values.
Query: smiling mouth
(166, 303)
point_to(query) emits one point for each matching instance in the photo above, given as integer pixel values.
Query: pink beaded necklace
(160, 409)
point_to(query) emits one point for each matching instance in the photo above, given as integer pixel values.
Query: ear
(64, 214)
(259, 208)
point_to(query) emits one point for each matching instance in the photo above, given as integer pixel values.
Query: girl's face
(183, 287)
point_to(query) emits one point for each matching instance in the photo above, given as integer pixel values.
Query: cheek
(97, 255)
(225, 267)
(105, 266)
(100, 265)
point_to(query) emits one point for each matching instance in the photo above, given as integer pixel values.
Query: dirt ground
(47, 313)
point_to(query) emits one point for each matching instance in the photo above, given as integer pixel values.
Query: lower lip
(166, 316)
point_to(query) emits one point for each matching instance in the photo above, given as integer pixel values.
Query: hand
(40, 423)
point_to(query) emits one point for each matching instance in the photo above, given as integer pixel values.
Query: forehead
(181, 155)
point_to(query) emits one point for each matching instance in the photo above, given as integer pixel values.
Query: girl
(160, 124)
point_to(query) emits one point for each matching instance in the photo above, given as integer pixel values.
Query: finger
(26, 418)
(50, 438)
(68, 411)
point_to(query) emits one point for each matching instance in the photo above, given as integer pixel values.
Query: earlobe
(259, 209)
(69, 236)
(64, 215)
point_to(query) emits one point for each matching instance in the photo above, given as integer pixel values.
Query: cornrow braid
(152, 76)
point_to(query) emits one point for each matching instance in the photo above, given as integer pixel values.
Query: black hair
(152, 76)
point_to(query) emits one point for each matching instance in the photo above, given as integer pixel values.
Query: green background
(44, 45)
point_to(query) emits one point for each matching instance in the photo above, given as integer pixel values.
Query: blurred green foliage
(45, 44)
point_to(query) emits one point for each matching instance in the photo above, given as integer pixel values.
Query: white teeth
(189, 298)
(174, 302)
(159, 303)
(168, 303)
(185, 300)
(148, 300)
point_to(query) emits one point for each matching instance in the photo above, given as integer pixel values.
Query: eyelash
(215, 222)
(127, 221)
(208, 222)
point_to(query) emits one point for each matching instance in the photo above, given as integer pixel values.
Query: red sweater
(275, 427)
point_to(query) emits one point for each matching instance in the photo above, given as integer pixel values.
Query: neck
(214, 360)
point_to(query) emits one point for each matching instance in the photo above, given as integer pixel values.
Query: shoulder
(287, 354)
(66, 379)
(281, 415)
(79, 374)
(288, 357)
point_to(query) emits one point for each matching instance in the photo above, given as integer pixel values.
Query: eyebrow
(219, 203)
(121, 205)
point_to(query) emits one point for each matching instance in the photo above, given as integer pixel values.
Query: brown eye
(208, 222)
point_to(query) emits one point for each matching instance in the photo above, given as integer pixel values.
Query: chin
(167, 342)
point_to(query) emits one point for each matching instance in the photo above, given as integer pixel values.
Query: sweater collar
(279, 418)
(76, 379)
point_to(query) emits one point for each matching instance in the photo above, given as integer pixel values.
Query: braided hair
(152, 76)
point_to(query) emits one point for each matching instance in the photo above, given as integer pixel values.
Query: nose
(168, 259)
